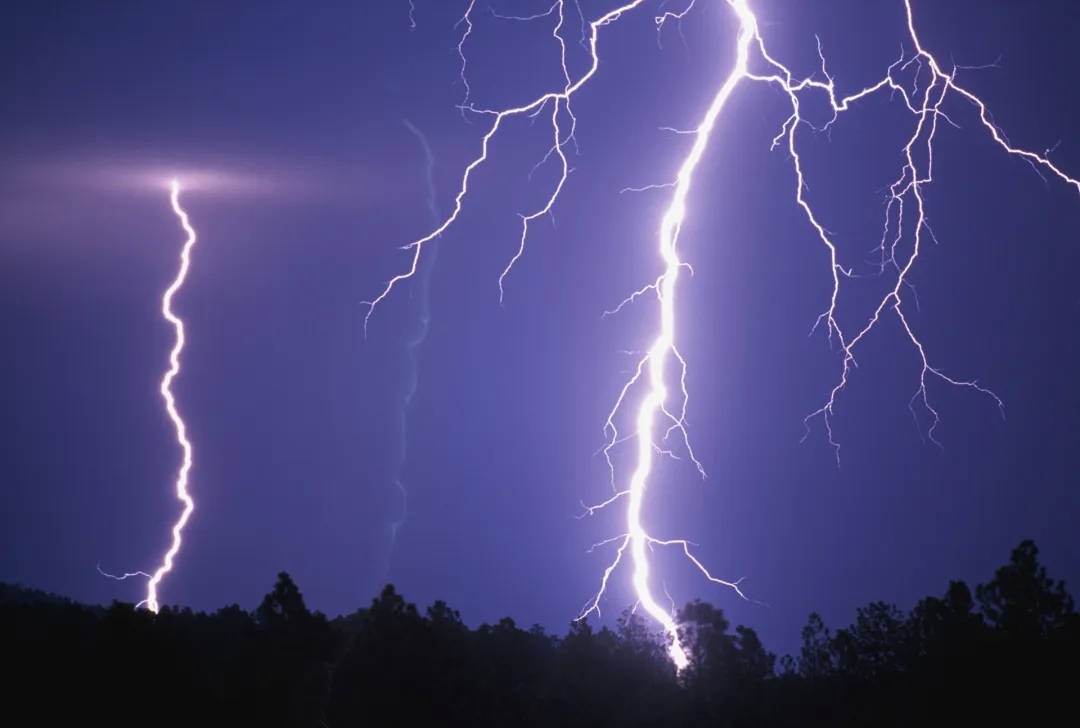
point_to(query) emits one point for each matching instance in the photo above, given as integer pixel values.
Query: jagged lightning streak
(907, 188)
(422, 291)
(182, 494)
(465, 20)
(559, 99)
(651, 368)
(654, 401)
(662, 349)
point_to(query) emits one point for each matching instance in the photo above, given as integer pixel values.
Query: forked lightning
(921, 84)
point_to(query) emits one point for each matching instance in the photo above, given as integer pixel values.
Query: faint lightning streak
(170, 403)
(413, 343)
(125, 577)
(646, 188)
(412, 15)
(555, 6)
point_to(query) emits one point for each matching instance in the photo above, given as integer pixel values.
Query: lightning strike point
(905, 222)
(181, 485)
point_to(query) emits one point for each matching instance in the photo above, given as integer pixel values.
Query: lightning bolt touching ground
(170, 403)
(656, 418)
(181, 486)
(422, 291)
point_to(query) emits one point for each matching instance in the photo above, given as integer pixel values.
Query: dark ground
(1003, 654)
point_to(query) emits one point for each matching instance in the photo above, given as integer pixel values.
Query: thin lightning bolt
(414, 342)
(151, 600)
(559, 100)
(905, 191)
(905, 213)
(124, 576)
(466, 20)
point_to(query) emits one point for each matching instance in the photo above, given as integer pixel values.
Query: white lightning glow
(181, 483)
(181, 486)
(904, 216)
(662, 349)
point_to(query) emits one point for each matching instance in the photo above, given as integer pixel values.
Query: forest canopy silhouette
(1003, 653)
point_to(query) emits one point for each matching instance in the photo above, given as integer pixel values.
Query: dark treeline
(1005, 654)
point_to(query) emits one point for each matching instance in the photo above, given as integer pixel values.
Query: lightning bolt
(414, 342)
(181, 485)
(170, 403)
(465, 20)
(656, 417)
(904, 192)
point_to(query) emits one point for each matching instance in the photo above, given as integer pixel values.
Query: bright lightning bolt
(662, 349)
(905, 213)
(182, 494)
(170, 402)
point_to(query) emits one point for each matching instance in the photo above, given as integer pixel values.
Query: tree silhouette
(1005, 656)
(876, 645)
(284, 605)
(815, 658)
(1022, 600)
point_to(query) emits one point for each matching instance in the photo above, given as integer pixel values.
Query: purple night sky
(286, 122)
